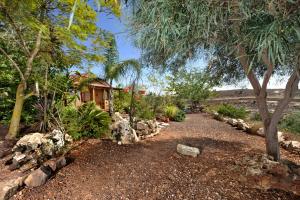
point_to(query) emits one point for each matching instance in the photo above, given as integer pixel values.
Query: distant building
(92, 89)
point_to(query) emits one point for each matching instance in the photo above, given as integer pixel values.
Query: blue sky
(124, 40)
(127, 50)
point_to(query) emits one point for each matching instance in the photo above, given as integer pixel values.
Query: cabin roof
(97, 82)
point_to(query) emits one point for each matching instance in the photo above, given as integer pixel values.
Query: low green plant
(180, 116)
(291, 122)
(232, 111)
(121, 101)
(86, 121)
(171, 111)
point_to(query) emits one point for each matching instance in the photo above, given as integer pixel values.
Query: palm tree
(114, 69)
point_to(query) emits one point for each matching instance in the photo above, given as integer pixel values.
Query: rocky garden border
(33, 160)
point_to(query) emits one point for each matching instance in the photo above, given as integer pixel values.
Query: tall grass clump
(291, 122)
(232, 111)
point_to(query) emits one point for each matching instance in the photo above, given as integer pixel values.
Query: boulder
(153, 125)
(58, 138)
(68, 138)
(242, 125)
(10, 188)
(122, 132)
(217, 116)
(281, 137)
(17, 161)
(267, 173)
(117, 117)
(187, 150)
(56, 164)
(163, 125)
(38, 177)
(142, 125)
(30, 142)
(37, 148)
(295, 144)
(261, 132)
(232, 122)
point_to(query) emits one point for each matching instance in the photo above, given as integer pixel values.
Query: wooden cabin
(96, 90)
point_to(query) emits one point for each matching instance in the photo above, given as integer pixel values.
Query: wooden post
(94, 98)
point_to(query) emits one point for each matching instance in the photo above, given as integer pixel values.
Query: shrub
(171, 111)
(180, 116)
(145, 113)
(121, 101)
(291, 122)
(86, 121)
(232, 111)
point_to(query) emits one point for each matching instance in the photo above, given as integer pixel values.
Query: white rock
(281, 137)
(261, 132)
(117, 117)
(295, 144)
(232, 122)
(19, 157)
(187, 150)
(33, 141)
(59, 138)
(142, 126)
(122, 131)
(68, 138)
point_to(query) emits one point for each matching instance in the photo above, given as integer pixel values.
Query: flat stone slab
(187, 150)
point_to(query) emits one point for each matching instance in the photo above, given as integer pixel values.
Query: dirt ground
(152, 169)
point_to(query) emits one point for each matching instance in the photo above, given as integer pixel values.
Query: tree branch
(33, 54)
(290, 92)
(242, 55)
(14, 64)
(268, 74)
(18, 31)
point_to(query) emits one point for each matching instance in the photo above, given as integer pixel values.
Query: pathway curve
(153, 170)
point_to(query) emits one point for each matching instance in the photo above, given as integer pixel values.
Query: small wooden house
(96, 90)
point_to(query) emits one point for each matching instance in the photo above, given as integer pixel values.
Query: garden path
(152, 169)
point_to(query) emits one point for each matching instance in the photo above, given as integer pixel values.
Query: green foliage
(86, 121)
(232, 111)
(191, 86)
(143, 109)
(121, 101)
(180, 116)
(291, 122)
(171, 111)
(218, 26)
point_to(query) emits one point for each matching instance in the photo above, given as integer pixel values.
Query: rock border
(289, 145)
(35, 178)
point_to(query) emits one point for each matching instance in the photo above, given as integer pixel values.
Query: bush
(143, 110)
(174, 113)
(180, 116)
(291, 122)
(232, 111)
(121, 101)
(171, 111)
(86, 121)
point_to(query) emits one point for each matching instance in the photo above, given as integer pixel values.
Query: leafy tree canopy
(174, 31)
(194, 86)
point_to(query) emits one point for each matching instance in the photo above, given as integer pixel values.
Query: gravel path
(153, 170)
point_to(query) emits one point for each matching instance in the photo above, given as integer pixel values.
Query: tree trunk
(132, 106)
(271, 137)
(270, 127)
(110, 99)
(16, 117)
